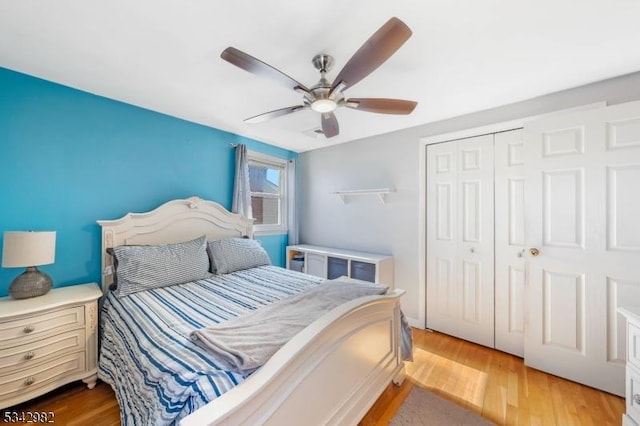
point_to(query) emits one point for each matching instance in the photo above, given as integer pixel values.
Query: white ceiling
(464, 55)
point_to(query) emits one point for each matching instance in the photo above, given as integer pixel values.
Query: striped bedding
(158, 374)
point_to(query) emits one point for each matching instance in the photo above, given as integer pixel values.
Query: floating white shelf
(380, 192)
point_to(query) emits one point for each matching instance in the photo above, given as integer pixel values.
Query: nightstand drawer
(26, 380)
(632, 395)
(36, 327)
(25, 355)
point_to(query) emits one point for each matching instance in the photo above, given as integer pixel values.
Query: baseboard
(415, 323)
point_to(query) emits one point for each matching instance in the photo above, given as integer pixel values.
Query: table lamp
(29, 249)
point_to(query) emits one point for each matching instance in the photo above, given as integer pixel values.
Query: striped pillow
(146, 267)
(236, 254)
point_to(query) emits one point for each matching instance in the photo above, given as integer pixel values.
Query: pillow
(235, 254)
(145, 267)
(114, 285)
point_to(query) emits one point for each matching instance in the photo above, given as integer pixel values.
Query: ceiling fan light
(323, 105)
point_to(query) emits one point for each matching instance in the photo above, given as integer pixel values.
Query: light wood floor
(496, 385)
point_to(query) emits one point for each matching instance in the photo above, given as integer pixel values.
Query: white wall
(392, 160)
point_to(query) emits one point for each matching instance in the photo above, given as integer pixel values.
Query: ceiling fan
(324, 97)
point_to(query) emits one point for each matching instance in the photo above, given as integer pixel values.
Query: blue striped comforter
(158, 374)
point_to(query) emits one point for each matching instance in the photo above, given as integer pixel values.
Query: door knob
(534, 251)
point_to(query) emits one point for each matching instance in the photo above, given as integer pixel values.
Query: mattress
(158, 374)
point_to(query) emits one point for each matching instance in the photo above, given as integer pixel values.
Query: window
(268, 185)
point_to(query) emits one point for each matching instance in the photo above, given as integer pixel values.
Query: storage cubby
(295, 260)
(331, 263)
(337, 267)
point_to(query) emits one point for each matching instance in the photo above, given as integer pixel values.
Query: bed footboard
(330, 373)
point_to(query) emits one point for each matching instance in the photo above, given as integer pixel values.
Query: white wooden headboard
(173, 222)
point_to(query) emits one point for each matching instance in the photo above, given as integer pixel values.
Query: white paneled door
(509, 241)
(582, 179)
(460, 239)
(442, 238)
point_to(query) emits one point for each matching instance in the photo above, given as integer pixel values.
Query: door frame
(499, 127)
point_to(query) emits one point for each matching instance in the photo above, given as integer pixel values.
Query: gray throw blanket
(245, 343)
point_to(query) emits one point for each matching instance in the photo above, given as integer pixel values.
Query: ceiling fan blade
(273, 114)
(381, 105)
(374, 52)
(256, 66)
(330, 126)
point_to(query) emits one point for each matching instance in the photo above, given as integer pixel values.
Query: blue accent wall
(69, 158)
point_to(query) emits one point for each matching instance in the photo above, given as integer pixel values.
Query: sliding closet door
(460, 267)
(509, 225)
(583, 240)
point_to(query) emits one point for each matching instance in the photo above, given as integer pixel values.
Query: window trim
(281, 163)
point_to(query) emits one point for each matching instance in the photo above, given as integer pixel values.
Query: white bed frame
(330, 373)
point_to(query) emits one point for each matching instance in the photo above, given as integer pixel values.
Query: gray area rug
(426, 408)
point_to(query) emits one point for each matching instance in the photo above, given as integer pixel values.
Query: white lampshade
(22, 249)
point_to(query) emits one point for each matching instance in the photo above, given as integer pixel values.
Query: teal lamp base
(31, 283)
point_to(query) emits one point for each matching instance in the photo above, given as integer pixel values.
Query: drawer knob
(29, 355)
(28, 329)
(636, 398)
(29, 381)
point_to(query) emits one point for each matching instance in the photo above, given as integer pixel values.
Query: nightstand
(48, 341)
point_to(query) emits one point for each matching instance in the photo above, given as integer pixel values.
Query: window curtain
(241, 189)
(292, 216)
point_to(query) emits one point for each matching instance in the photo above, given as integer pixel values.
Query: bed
(329, 373)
